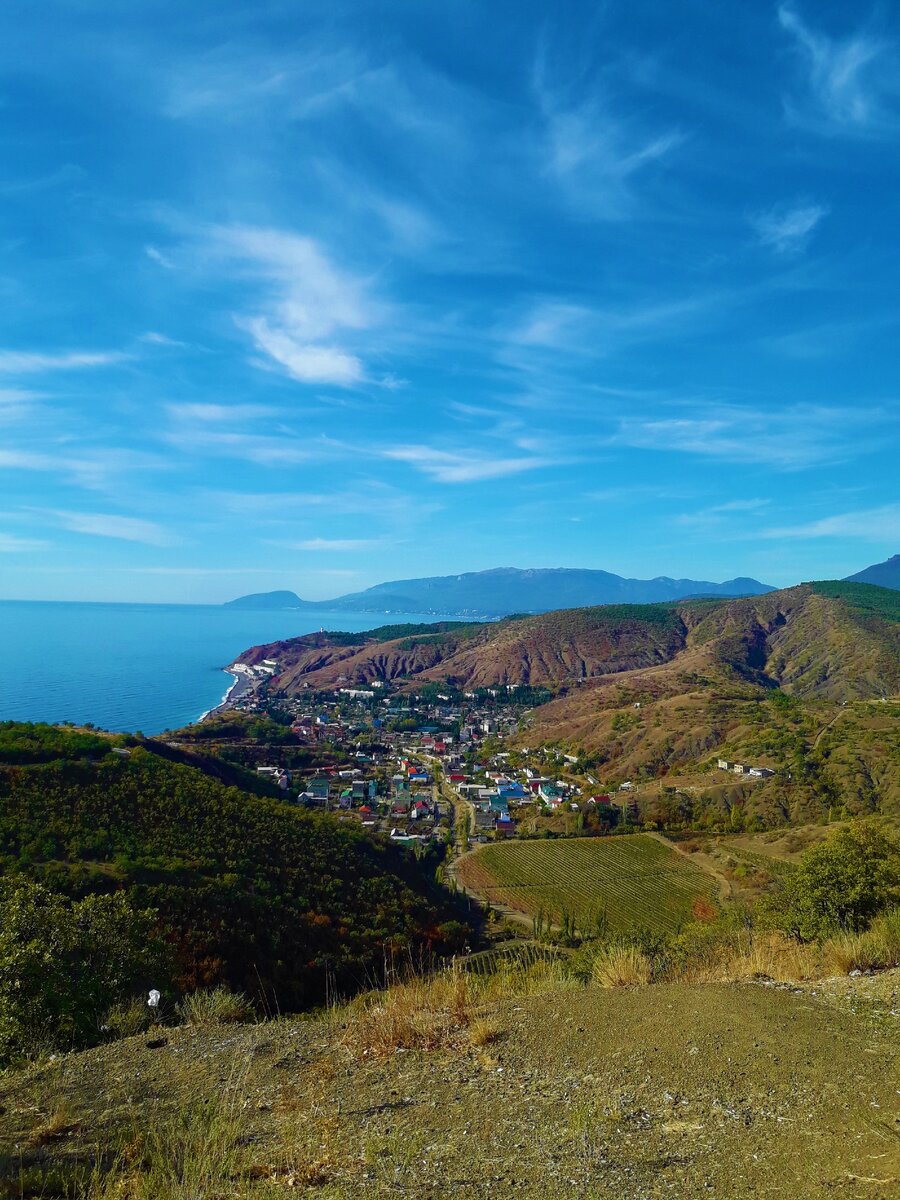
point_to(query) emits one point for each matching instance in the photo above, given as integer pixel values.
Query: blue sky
(318, 295)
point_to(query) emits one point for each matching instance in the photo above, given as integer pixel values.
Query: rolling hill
(505, 590)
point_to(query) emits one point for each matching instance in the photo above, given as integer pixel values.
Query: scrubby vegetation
(64, 966)
(248, 892)
(482, 1047)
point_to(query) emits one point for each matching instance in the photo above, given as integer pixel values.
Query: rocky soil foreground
(758, 1090)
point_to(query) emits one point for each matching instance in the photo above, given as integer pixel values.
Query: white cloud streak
(846, 81)
(458, 467)
(787, 228)
(790, 439)
(21, 362)
(108, 525)
(326, 545)
(11, 544)
(871, 524)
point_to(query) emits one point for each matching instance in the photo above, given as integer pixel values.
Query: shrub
(129, 1017)
(64, 965)
(215, 1006)
(840, 885)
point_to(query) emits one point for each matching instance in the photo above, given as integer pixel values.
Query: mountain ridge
(498, 591)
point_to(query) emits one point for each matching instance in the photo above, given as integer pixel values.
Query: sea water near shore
(145, 667)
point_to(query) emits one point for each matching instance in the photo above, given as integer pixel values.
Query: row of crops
(623, 882)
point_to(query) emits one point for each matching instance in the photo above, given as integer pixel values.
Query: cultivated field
(635, 881)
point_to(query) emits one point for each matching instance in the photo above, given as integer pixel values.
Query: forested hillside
(249, 890)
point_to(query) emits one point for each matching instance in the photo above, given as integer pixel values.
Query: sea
(146, 667)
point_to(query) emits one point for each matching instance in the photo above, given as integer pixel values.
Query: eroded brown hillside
(810, 644)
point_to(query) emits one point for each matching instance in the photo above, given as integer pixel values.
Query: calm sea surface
(137, 666)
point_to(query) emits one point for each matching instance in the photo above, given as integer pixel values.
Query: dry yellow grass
(58, 1125)
(451, 1008)
(484, 1030)
(878, 947)
(621, 966)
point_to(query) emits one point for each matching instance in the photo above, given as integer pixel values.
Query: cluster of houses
(492, 790)
(387, 746)
(737, 768)
(402, 805)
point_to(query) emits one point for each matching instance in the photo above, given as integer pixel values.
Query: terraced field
(635, 881)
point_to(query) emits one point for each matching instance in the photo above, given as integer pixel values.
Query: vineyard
(624, 883)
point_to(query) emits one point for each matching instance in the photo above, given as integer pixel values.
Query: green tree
(841, 884)
(64, 964)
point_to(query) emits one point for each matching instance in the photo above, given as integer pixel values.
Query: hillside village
(439, 765)
(408, 760)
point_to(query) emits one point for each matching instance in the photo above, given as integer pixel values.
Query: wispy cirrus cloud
(370, 497)
(557, 335)
(870, 524)
(152, 338)
(787, 228)
(16, 403)
(328, 545)
(25, 362)
(448, 466)
(267, 450)
(94, 469)
(594, 154)
(791, 438)
(11, 543)
(849, 84)
(717, 514)
(27, 460)
(111, 525)
(559, 325)
(162, 260)
(219, 414)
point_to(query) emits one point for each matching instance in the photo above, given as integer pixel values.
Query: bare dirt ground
(756, 1090)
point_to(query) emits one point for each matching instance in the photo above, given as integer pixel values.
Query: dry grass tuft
(621, 966)
(58, 1125)
(218, 1006)
(194, 1152)
(444, 1010)
(420, 1014)
(755, 956)
(484, 1030)
(129, 1018)
(877, 948)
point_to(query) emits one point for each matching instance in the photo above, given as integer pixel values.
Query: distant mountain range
(505, 590)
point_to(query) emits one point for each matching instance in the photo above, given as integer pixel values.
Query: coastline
(240, 685)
